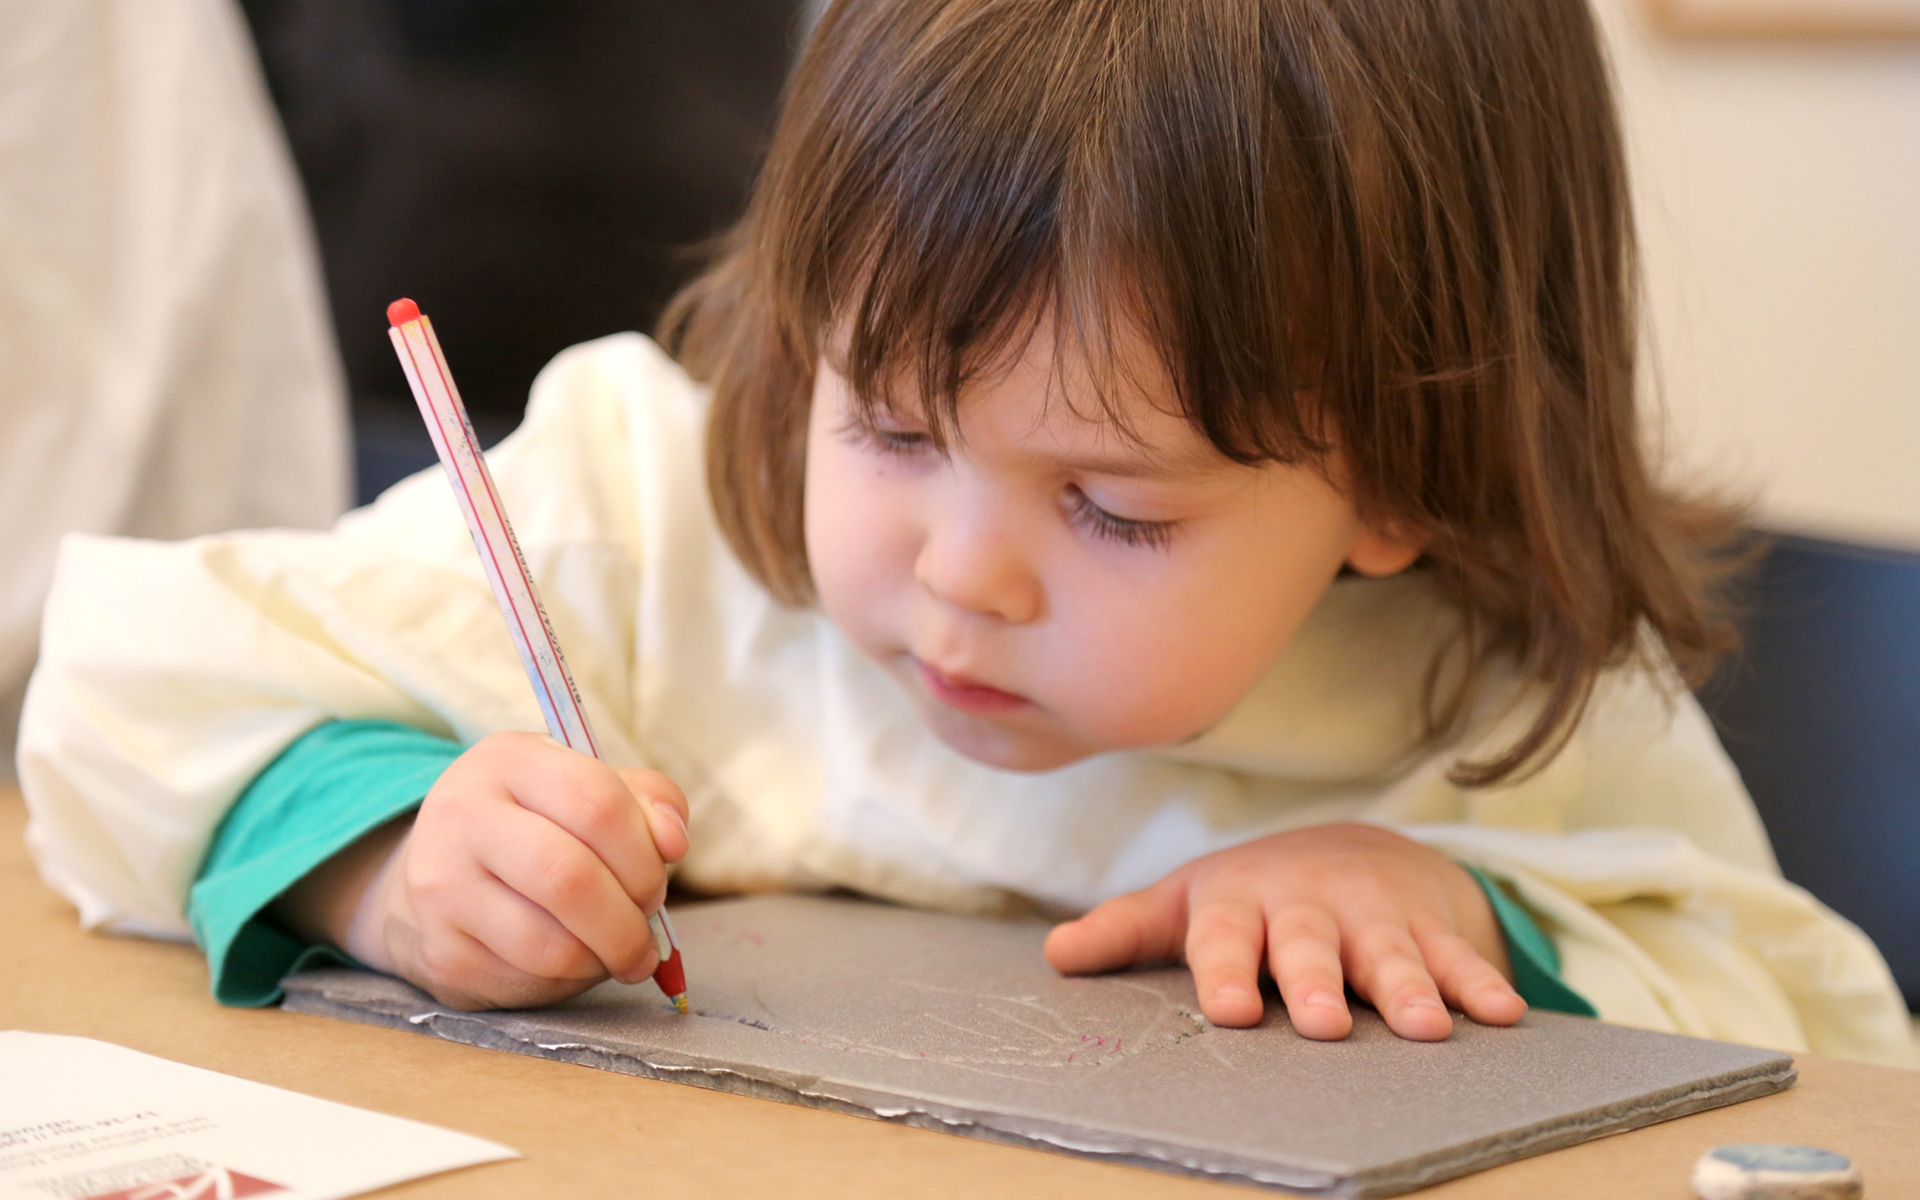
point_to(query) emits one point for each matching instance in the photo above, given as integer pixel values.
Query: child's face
(1050, 589)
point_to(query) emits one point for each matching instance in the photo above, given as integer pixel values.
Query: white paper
(86, 1120)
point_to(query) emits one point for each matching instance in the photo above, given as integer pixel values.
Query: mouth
(967, 695)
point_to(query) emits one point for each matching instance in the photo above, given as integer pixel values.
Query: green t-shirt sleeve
(1536, 964)
(339, 782)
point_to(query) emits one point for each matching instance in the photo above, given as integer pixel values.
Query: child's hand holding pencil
(533, 870)
(526, 877)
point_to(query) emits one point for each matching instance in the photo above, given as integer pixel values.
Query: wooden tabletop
(588, 1133)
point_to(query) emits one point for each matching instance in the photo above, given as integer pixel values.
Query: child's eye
(1153, 535)
(885, 440)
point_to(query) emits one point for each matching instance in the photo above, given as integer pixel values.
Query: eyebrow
(1146, 466)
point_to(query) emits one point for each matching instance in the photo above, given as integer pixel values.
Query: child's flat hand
(1407, 927)
(526, 877)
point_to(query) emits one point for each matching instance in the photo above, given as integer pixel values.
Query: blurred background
(540, 173)
(533, 172)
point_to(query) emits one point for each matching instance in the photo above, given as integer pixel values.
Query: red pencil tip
(671, 976)
(401, 311)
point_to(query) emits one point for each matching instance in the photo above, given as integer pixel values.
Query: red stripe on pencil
(506, 569)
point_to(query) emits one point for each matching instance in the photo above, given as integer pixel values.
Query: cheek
(1182, 649)
(855, 533)
(1151, 674)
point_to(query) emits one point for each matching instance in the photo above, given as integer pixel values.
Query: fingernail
(1322, 1000)
(672, 813)
(1232, 993)
(1425, 1002)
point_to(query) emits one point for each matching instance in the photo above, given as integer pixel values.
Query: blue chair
(1821, 712)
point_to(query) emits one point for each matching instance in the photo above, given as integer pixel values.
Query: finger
(665, 807)
(429, 947)
(488, 981)
(1140, 927)
(1385, 966)
(526, 940)
(1471, 982)
(553, 870)
(1224, 939)
(1303, 949)
(590, 801)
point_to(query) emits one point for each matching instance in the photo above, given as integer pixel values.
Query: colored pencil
(506, 570)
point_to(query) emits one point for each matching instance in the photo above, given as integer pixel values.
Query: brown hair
(1412, 211)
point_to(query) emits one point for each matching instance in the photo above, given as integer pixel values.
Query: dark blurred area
(1821, 712)
(533, 172)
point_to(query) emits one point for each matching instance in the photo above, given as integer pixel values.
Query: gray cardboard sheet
(958, 1024)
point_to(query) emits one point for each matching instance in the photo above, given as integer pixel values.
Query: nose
(976, 561)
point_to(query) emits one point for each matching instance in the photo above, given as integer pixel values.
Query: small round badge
(1775, 1173)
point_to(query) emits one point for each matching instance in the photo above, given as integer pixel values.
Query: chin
(1005, 749)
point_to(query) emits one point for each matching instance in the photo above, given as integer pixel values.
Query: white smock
(172, 674)
(166, 363)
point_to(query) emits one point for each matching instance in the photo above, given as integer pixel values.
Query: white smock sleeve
(1639, 852)
(172, 673)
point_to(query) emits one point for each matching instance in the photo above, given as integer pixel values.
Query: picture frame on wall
(1820, 20)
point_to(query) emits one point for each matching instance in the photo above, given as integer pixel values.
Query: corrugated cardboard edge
(1776, 1073)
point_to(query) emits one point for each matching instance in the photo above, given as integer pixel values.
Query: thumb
(1140, 927)
(664, 806)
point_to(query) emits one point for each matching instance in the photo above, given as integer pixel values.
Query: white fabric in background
(173, 673)
(166, 363)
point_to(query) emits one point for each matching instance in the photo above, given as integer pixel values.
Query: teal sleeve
(336, 784)
(1536, 964)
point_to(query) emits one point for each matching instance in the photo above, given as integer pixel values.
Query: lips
(967, 695)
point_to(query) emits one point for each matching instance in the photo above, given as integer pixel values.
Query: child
(1175, 463)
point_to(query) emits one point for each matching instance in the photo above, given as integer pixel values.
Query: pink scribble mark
(1100, 1042)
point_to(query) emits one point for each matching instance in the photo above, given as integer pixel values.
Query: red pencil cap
(671, 975)
(401, 311)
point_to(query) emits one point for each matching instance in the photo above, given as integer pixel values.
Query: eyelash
(1151, 535)
(887, 441)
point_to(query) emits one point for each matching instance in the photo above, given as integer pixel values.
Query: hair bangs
(950, 208)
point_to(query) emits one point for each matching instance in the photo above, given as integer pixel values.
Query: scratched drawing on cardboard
(958, 1024)
(956, 1012)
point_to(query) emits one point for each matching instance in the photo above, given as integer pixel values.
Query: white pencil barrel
(500, 558)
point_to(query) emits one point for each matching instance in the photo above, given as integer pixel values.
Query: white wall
(1779, 196)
